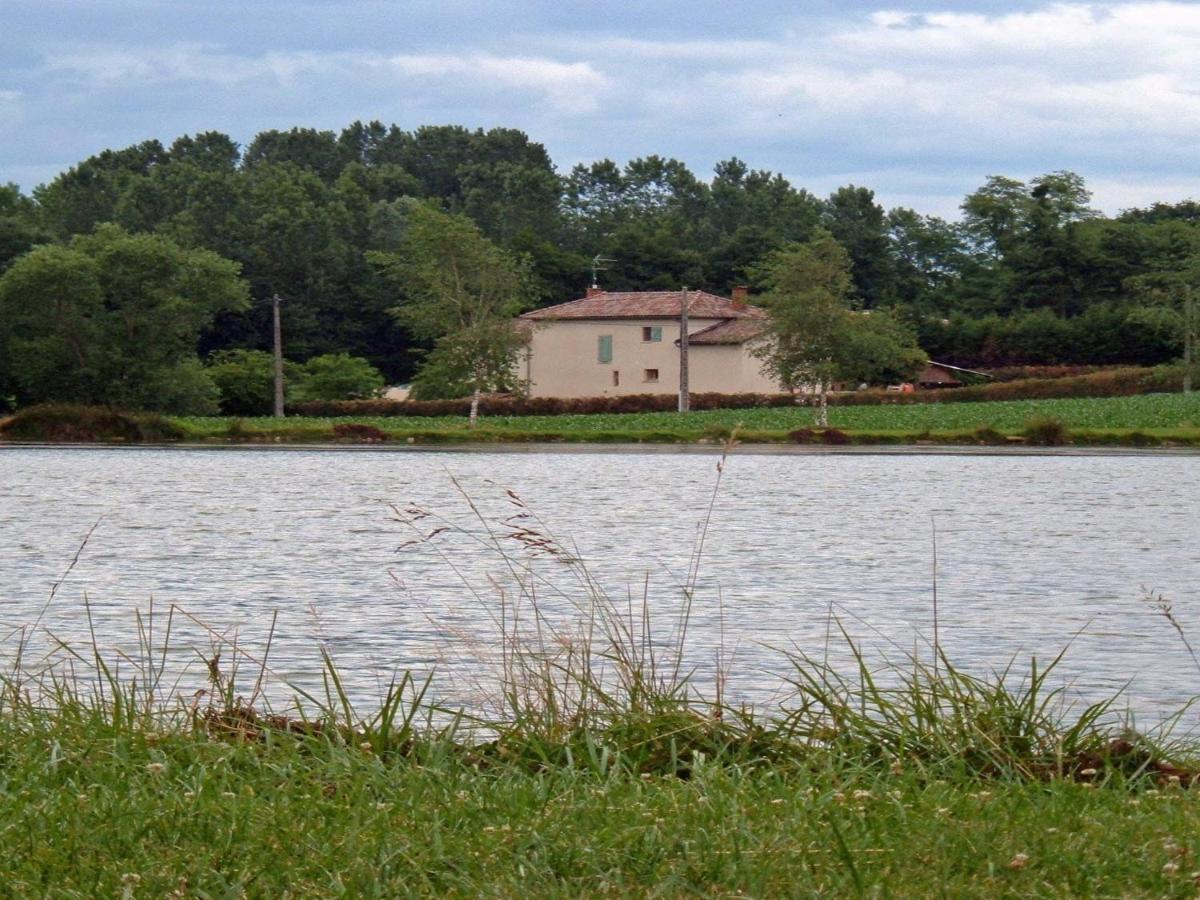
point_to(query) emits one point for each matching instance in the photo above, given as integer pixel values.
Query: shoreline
(556, 447)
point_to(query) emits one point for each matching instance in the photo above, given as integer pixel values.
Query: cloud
(927, 103)
(1103, 89)
(567, 87)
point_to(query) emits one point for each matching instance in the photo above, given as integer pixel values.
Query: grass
(1144, 411)
(92, 811)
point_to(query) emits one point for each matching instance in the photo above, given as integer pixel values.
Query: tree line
(1030, 274)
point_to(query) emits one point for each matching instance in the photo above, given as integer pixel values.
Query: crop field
(1146, 412)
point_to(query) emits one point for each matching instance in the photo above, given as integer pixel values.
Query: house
(611, 343)
(944, 375)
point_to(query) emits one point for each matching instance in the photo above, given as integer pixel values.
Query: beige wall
(562, 361)
(727, 369)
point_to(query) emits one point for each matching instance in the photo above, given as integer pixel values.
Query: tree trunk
(823, 415)
(474, 408)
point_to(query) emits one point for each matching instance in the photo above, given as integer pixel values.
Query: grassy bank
(626, 783)
(90, 810)
(1146, 420)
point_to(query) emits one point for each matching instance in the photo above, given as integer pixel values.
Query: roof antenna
(598, 266)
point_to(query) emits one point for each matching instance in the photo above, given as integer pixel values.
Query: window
(650, 375)
(604, 349)
(651, 333)
(616, 378)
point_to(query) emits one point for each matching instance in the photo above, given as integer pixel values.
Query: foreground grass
(1149, 419)
(92, 811)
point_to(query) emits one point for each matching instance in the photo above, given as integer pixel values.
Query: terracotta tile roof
(646, 305)
(731, 331)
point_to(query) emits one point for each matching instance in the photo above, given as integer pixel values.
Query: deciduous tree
(460, 291)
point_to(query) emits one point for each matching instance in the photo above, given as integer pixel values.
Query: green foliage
(461, 291)
(246, 380)
(1046, 431)
(807, 294)
(337, 376)
(1032, 274)
(114, 318)
(879, 348)
(20, 225)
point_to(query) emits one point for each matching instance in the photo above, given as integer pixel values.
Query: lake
(1033, 552)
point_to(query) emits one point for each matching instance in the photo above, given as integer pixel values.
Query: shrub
(510, 405)
(1046, 431)
(338, 376)
(986, 434)
(1124, 382)
(246, 380)
(65, 423)
(355, 431)
(1127, 382)
(185, 388)
(834, 437)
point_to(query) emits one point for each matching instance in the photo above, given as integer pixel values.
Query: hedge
(1106, 383)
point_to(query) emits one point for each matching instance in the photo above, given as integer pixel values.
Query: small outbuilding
(944, 375)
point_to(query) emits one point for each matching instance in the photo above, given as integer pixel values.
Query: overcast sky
(918, 100)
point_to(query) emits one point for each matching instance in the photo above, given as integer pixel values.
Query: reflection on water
(1032, 553)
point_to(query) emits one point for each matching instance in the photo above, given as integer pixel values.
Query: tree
(1178, 287)
(114, 318)
(20, 229)
(815, 337)
(338, 376)
(878, 347)
(808, 289)
(857, 222)
(460, 291)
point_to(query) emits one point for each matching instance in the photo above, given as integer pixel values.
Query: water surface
(1032, 553)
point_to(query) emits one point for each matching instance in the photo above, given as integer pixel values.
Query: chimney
(594, 290)
(739, 296)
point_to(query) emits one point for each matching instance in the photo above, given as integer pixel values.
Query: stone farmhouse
(612, 343)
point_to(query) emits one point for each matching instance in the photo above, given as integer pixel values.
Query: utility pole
(684, 403)
(278, 357)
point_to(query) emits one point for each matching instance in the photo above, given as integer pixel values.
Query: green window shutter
(604, 353)
(656, 333)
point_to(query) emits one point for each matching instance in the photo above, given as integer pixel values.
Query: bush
(1127, 382)
(509, 405)
(338, 376)
(986, 434)
(246, 380)
(834, 437)
(1124, 382)
(186, 389)
(363, 434)
(66, 423)
(1046, 431)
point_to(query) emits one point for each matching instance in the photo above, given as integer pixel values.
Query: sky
(916, 99)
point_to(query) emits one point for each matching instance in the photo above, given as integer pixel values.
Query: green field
(1172, 416)
(1142, 420)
